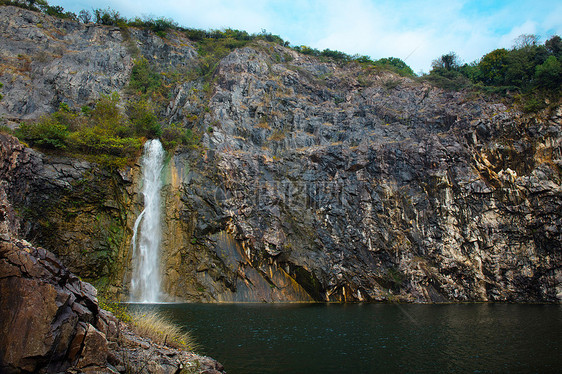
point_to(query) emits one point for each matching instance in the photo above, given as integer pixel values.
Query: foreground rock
(50, 320)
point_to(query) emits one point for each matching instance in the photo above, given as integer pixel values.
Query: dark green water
(376, 338)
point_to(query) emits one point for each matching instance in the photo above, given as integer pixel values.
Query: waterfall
(147, 235)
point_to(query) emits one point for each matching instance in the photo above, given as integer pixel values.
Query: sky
(412, 30)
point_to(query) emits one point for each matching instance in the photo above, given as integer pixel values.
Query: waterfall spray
(147, 235)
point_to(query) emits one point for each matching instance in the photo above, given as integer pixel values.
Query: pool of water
(375, 338)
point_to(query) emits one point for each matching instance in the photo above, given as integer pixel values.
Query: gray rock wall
(313, 180)
(45, 61)
(376, 187)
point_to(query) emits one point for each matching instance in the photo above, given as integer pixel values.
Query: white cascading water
(147, 235)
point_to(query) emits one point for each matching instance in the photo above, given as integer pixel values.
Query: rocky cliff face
(373, 187)
(46, 61)
(71, 206)
(313, 181)
(51, 322)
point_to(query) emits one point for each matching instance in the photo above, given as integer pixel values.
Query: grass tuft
(161, 330)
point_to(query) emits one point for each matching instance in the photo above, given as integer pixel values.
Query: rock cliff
(51, 322)
(313, 181)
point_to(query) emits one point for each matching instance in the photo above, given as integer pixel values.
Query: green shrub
(175, 134)
(336, 55)
(144, 79)
(143, 119)
(46, 133)
(84, 16)
(5, 129)
(58, 11)
(96, 140)
(393, 64)
(103, 134)
(448, 79)
(106, 113)
(549, 74)
(159, 25)
(213, 50)
(109, 17)
(120, 311)
(66, 117)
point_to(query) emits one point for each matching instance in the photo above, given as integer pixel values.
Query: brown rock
(95, 348)
(27, 308)
(76, 344)
(8, 270)
(84, 313)
(107, 323)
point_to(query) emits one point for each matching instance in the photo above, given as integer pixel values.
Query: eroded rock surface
(50, 320)
(313, 180)
(369, 187)
(46, 60)
(70, 206)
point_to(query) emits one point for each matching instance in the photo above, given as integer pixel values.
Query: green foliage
(66, 117)
(58, 11)
(109, 17)
(41, 6)
(46, 133)
(86, 110)
(103, 134)
(84, 16)
(364, 59)
(447, 79)
(549, 74)
(268, 37)
(213, 50)
(160, 26)
(175, 134)
(394, 64)
(305, 50)
(532, 104)
(214, 45)
(5, 130)
(554, 46)
(447, 62)
(391, 63)
(1, 85)
(531, 69)
(144, 79)
(143, 119)
(336, 55)
(492, 67)
(96, 140)
(29, 4)
(108, 134)
(120, 311)
(107, 115)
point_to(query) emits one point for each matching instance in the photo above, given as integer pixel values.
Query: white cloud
(529, 27)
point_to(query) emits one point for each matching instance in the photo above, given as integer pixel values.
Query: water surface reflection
(376, 338)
